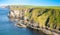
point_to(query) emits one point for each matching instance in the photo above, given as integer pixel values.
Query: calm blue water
(8, 28)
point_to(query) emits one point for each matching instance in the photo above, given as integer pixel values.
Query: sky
(31, 2)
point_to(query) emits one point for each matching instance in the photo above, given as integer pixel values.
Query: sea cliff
(45, 19)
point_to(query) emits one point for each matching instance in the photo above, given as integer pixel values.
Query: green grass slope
(46, 17)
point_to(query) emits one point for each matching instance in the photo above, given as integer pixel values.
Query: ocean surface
(8, 28)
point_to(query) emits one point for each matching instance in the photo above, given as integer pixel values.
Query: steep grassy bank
(46, 17)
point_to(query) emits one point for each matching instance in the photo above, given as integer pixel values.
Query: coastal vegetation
(46, 17)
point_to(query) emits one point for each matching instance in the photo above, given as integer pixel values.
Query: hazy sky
(31, 2)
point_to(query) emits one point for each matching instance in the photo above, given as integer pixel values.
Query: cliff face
(42, 17)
